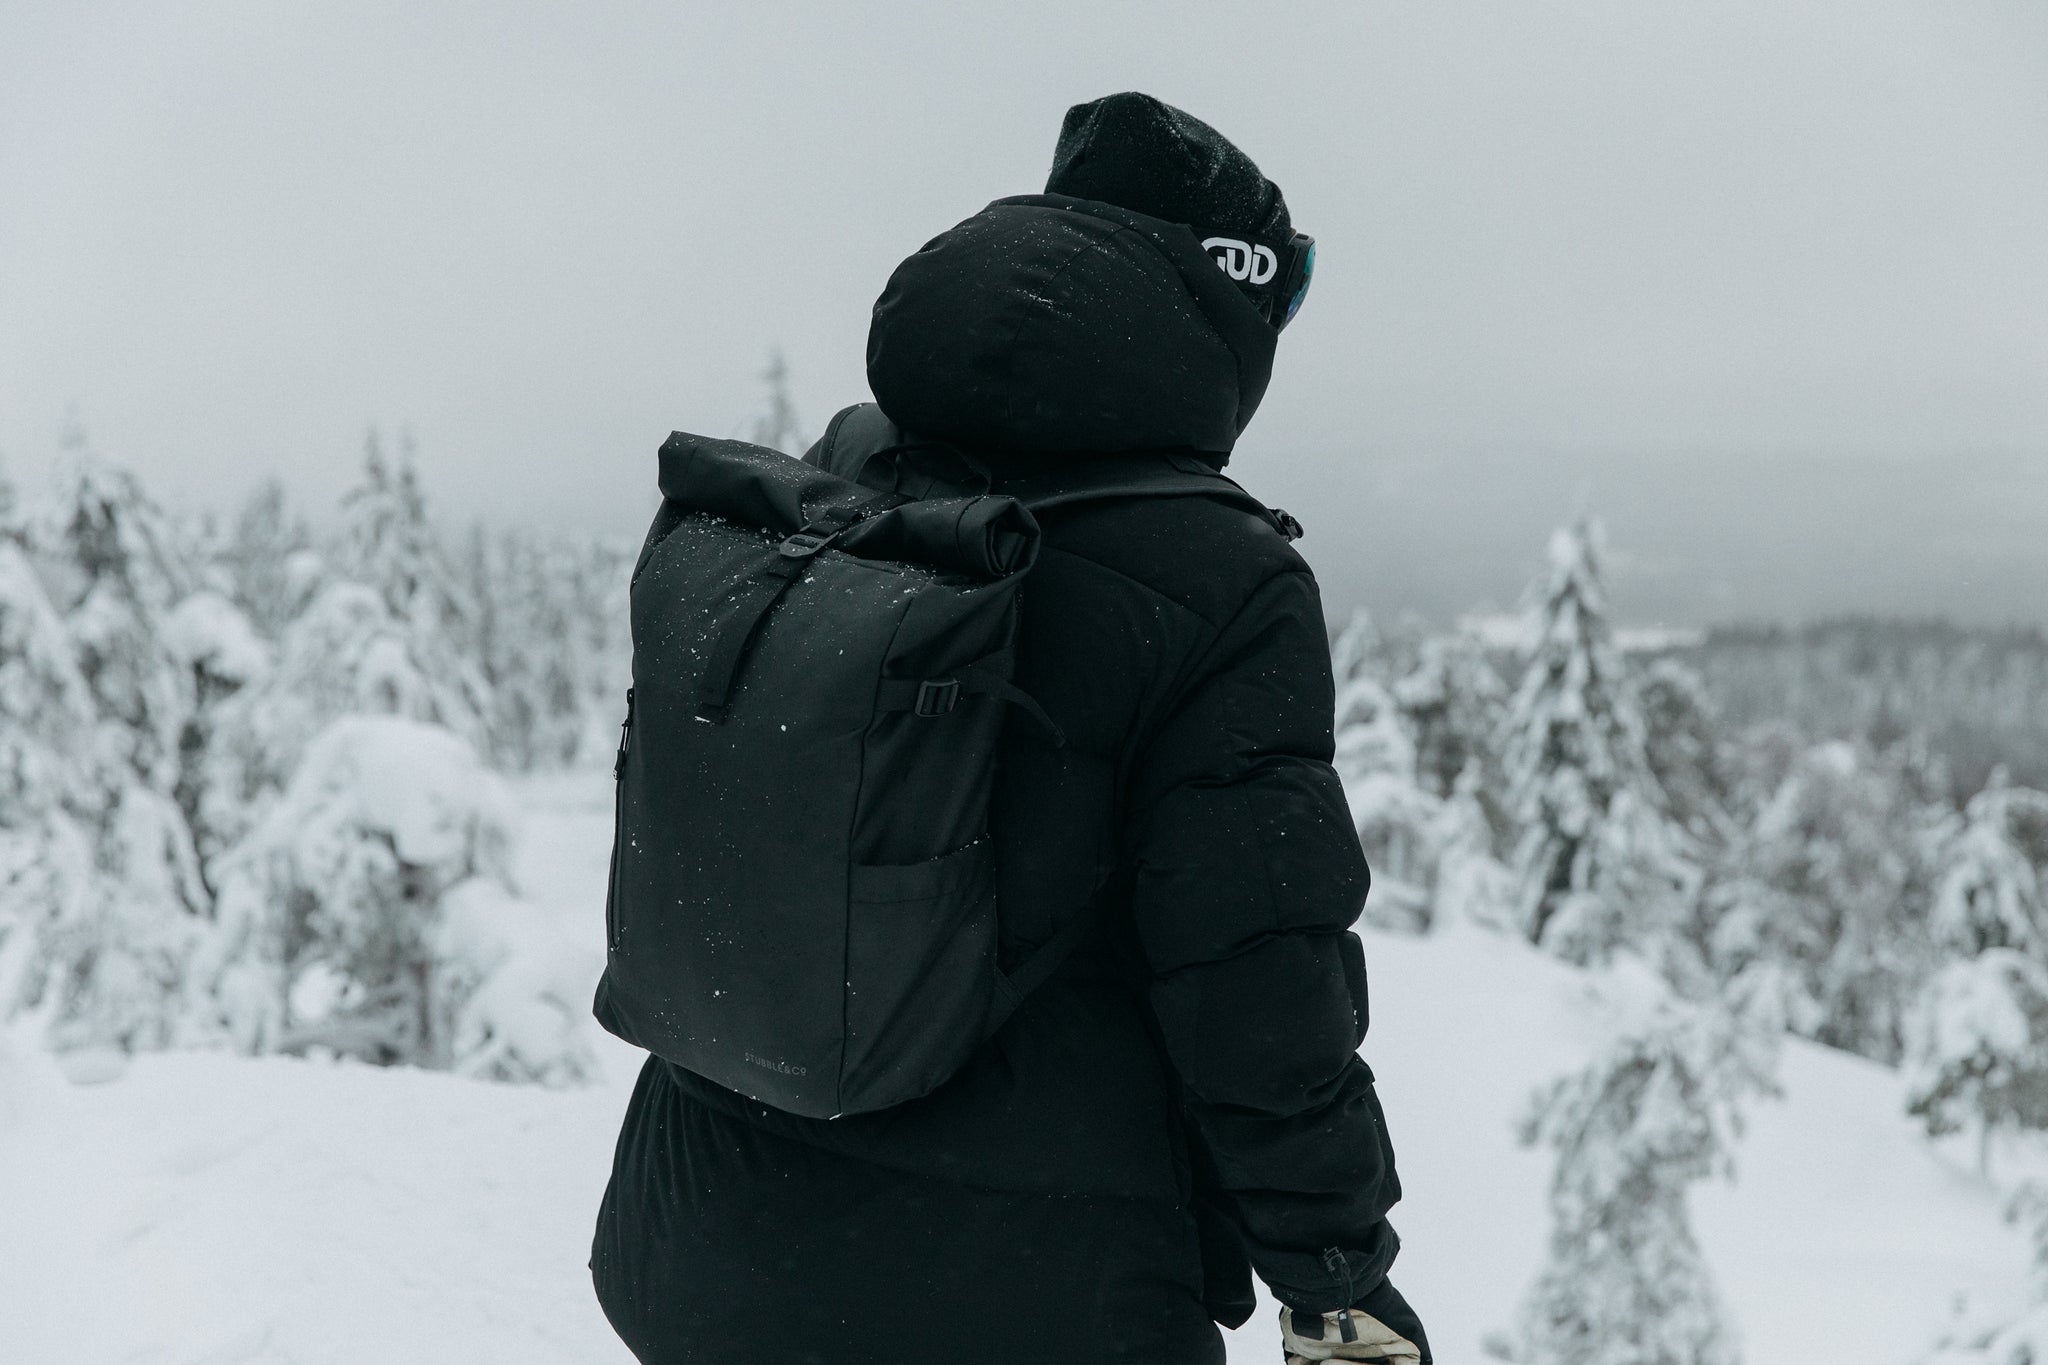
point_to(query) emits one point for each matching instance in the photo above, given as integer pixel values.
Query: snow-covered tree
(1988, 890)
(112, 965)
(222, 654)
(1830, 881)
(120, 906)
(548, 664)
(257, 559)
(1471, 881)
(1624, 1282)
(371, 914)
(777, 426)
(389, 544)
(1429, 830)
(1355, 648)
(1977, 1040)
(1977, 1048)
(107, 558)
(49, 800)
(1640, 883)
(346, 654)
(1452, 702)
(166, 691)
(1596, 864)
(600, 573)
(1375, 759)
(1682, 745)
(393, 634)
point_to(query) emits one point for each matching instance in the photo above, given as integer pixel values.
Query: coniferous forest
(253, 797)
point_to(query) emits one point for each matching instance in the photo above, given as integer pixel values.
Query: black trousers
(719, 1243)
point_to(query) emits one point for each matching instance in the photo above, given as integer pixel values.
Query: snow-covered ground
(206, 1208)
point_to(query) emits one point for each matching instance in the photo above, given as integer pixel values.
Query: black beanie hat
(1146, 156)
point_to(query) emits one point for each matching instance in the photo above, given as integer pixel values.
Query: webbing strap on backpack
(937, 696)
(736, 625)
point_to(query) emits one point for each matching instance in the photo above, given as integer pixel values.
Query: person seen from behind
(1181, 1102)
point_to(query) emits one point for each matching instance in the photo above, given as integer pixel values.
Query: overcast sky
(1765, 284)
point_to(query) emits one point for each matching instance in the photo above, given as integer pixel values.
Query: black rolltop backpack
(802, 904)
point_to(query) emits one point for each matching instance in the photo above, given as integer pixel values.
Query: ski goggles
(1277, 280)
(1295, 280)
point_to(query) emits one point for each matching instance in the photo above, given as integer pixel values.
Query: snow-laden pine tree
(1624, 1282)
(50, 801)
(345, 654)
(600, 572)
(777, 426)
(257, 559)
(1831, 882)
(1471, 881)
(1977, 1038)
(1452, 702)
(1375, 759)
(222, 654)
(109, 963)
(389, 544)
(111, 565)
(359, 847)
(1682, 745)
(371, 914)
(1356, 648)
(1597, 864)
(550, 647)
(392, 634)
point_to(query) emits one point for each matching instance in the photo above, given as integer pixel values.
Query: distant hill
(1979, 694)
(1694, 539)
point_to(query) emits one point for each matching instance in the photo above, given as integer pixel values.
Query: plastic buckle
(935, 697)
(803, 544)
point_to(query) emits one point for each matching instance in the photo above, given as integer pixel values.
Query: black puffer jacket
(1199, 1052)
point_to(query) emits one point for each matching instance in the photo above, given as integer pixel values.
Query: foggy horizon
(1818, 568)
(1762, 289)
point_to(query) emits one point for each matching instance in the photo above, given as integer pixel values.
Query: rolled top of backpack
(986, 535)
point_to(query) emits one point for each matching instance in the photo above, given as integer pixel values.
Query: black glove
(1380, 1327)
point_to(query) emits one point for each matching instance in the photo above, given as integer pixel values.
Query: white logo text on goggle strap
(1243, 260)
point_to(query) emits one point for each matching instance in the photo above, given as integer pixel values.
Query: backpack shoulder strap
(1114, 479)
(862, 444)
(1039, 965)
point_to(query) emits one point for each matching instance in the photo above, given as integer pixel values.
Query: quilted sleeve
(1248, 877)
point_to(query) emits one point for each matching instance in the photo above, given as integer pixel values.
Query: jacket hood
(1048, 323)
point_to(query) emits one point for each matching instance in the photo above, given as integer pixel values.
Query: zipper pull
(625, 738)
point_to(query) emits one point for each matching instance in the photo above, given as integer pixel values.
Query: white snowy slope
(211, 1208)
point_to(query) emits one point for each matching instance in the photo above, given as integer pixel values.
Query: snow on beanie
(1144, 155)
